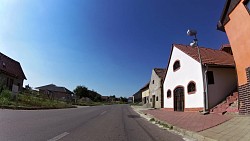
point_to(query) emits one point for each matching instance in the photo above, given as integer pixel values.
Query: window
(247, 5)
(210, 77)
(153, 82)
(191, 87)
(157, 98)
(176, 65)
(150, 99)
(169, 94)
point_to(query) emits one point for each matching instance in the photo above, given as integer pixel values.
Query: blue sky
(110, 46)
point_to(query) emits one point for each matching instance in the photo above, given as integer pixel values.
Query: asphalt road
(100, 123)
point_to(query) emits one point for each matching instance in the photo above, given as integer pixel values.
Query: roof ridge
(207, 48)
(209, 55)
(8, 58)
(160, 68)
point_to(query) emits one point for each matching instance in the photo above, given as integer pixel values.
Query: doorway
(179, 99)
(153, 106)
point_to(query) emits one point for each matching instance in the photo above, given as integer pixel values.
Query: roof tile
(209, 56)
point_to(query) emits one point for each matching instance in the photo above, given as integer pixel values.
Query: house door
(153, 106)
(179, 99)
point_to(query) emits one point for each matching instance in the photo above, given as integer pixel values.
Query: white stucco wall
(155, 89)
(145, 93)
(225, 81)
(190, 70)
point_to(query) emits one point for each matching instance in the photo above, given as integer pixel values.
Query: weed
(152, 119)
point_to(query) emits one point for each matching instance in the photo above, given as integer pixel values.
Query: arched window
(176, 65)
(191, 87)
(169, 94)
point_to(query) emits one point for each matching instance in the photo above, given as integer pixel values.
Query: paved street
(100, 123)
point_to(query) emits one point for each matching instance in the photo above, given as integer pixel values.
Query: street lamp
(195, 44)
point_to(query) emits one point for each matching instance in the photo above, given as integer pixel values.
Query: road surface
(99, 123)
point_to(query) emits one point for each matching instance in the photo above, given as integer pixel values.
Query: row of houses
(189, 84)
(12, 78)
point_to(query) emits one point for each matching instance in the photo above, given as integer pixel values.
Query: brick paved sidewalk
(192, 121)
(204, 127)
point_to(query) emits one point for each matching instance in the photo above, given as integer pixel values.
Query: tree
(81, 91)
(123, 99)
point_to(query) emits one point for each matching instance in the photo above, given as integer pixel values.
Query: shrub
(6, 94)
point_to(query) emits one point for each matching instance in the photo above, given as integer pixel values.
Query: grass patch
(164, 125)
(28, 101)
(136, 104)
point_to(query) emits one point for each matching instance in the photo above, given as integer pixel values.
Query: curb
(179, 130)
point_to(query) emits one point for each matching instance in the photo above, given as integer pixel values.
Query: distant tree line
(82, 91)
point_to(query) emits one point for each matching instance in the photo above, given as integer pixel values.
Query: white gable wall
(190, 70)
(145, 95)
(155, 89)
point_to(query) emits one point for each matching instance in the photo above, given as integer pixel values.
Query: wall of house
(238, 32)
(155, 90)
(190, 70)
(17, 82)
(145, 94)
(225, 81)
(137, 97)
(55, 95)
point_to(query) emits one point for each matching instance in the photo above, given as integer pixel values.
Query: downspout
(206, 87)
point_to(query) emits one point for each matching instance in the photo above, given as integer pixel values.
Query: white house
(183, 86)
(156, 88)
(145, 95)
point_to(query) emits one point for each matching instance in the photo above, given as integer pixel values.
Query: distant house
(105, 98)
(183, 85)
(137, 97)
(52, 91)
(130, 99)
(145, 95)
(156, 88)
(11, 73)
(235, 21)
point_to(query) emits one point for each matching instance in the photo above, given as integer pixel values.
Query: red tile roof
(11, 67)
(209, 56)
(160, 72)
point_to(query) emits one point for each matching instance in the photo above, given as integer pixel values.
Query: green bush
(4, 101)
(5, 97)
(6, 94)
